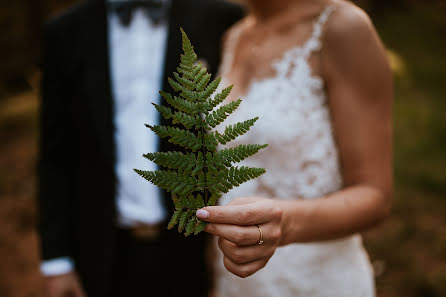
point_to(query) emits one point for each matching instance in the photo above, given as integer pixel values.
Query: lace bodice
(301, 163)
(301, 159)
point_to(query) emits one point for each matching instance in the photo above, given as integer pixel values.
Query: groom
(102, 227)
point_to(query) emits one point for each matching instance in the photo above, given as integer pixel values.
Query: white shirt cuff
(57, 266)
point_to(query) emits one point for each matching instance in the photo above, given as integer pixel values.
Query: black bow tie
(156, 10)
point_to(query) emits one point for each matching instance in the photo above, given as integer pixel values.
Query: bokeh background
(408, 251)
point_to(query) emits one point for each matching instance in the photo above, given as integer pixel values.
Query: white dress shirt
(136, 67)
(137, 60)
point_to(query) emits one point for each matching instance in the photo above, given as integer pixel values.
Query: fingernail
(202, 214)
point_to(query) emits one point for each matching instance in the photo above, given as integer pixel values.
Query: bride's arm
(359, 86)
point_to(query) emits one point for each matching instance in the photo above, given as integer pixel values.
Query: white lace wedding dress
(302, 163)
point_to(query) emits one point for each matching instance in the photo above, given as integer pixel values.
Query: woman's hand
(63, 285)
(240, 226)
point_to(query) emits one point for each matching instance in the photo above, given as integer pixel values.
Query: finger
(244, 254)
(78, 291)
(241, 235)
(247, 214)
(245, 200)
(244, 270)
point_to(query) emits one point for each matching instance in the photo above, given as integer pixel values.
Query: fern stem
(204, 163)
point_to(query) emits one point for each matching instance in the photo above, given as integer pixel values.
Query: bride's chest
(287, 110)
(255, 61)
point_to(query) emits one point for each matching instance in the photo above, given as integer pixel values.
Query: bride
(316, 74)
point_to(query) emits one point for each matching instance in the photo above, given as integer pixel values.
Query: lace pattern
(295, 122)
(302, 163)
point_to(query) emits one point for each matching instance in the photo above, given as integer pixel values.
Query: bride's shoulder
(235, 29)
(352, 48)
(348, 22)
(349, 33)
(232, 35)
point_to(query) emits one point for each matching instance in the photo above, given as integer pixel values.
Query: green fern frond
(219, 98)
(193, 96)
(170, 181)
(202, 71)
(199, 202)
(216, 194)
(189, 57)
(186, 93)
(238, 175)
(183, 201)
(180, 104)
(218, 116)
(178, 136)
(235, 130)
(175, 218)
(187, 73)
(186, 120)
(210, 89)
(210, 141)
(241, 152)
(175, 85)
(177, 202)
(174, 160)
(198, 177)
(200, 227)
(184, 81)
(235, 176)
(165, 111)
(190, 227)
(184, 218)
(203, 82)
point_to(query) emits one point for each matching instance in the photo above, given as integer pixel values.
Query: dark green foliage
(233, 131)
(198, 177)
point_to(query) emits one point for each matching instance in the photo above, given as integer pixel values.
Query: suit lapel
(95, 46)
(98, 82)
(171, 58)
(97, 64)
(173, 40)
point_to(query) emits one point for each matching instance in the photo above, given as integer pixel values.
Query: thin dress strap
(310, 45)
(314, 43)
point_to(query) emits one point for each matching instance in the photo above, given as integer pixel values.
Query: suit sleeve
(56, 152)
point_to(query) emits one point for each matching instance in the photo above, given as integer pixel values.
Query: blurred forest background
(408, 251)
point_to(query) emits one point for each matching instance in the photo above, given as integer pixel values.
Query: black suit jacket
(76, 190)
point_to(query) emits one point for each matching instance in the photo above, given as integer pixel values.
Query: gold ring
(260, 242)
